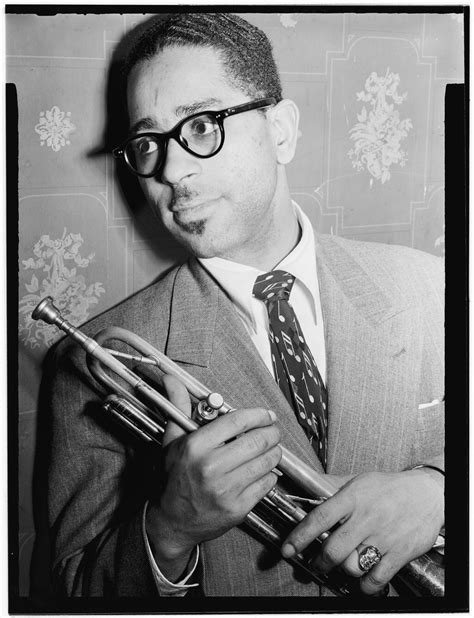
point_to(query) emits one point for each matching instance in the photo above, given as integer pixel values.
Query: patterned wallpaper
(369, 163)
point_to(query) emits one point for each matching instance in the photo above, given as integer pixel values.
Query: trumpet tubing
(144, 411)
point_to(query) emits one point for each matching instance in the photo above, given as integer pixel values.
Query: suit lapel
(373, 348)
(207, 336)
(193, 314)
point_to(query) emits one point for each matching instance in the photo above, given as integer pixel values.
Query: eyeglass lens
(200, 135)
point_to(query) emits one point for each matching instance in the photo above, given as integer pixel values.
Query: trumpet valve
(208, 409)
(215, 401)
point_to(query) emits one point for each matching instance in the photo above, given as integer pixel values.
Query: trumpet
(144, 411)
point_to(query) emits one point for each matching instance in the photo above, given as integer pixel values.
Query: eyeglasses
(201, 134)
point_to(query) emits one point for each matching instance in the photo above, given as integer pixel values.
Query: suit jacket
(383, 319)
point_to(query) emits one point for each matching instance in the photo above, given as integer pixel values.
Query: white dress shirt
(237, 280)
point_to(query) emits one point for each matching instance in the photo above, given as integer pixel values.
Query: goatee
(193, 227)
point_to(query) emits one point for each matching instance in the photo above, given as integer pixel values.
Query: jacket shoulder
(362, 249)
(391, 266)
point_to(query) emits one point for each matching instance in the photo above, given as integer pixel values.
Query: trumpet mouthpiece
(46, 311)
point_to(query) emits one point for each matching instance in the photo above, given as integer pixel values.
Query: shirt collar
(237, 280)
(301, 262)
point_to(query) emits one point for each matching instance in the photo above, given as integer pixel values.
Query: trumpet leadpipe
(145, 360)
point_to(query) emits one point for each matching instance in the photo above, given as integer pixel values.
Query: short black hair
(245, 50)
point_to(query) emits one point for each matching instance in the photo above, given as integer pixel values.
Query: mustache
(182, 194)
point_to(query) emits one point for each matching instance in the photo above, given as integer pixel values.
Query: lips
(184, 207)
(191, 212)
(191, 208)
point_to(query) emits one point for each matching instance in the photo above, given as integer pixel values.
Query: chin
(194, 239)
(202, 250)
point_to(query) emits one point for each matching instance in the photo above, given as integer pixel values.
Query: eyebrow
(141, 125)
(198, 106)
(148, 124)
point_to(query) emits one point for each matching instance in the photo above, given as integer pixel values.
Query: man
(209, 138)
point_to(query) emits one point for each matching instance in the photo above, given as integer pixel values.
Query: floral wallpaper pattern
(380, 131)
(52, 277)
(369, 164)
(54, 128)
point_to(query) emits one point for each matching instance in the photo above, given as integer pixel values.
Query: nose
(179, 164)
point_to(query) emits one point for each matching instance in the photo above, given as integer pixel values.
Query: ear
(284, 117)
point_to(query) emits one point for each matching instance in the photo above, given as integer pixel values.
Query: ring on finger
(369, 557)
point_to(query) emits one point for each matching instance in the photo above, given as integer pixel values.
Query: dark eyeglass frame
(175, 133)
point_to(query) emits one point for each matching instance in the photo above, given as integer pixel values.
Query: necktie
(295, 370)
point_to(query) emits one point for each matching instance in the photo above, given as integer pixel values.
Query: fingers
(341, 547)
(336, 551)
(319, 520)
(350, 564)
(251, 482)
(224, 428)
(239, 478)
(374, 581)
(257, 490)
(234, 424)
(393, 512)
(177, 393)
(243, 440)
(253, 471)
(393, 558)
(248, 446)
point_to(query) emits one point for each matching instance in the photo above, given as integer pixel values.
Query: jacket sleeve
(98, 482)
(430, 436)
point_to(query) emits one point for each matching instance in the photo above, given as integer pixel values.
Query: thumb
(178, 395)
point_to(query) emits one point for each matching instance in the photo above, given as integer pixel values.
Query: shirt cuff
(164, 586)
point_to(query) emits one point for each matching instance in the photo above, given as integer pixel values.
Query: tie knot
(274, 285)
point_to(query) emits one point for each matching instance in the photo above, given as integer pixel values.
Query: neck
(290, 236)
(281, 231)
(274, 239)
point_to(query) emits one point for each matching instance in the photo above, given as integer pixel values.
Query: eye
(145, 146)
(202, 126)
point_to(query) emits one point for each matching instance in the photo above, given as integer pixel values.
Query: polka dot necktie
(294, 367)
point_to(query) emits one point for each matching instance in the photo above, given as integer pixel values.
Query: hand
(210, 485)
(399, 513)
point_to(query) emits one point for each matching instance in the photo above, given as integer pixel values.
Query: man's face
(222, 206)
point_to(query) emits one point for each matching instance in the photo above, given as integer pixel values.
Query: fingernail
(288, 551)
(273, 416)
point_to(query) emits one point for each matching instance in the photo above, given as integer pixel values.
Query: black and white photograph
(231, 232)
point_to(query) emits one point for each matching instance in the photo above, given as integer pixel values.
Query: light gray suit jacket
(384, 327)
